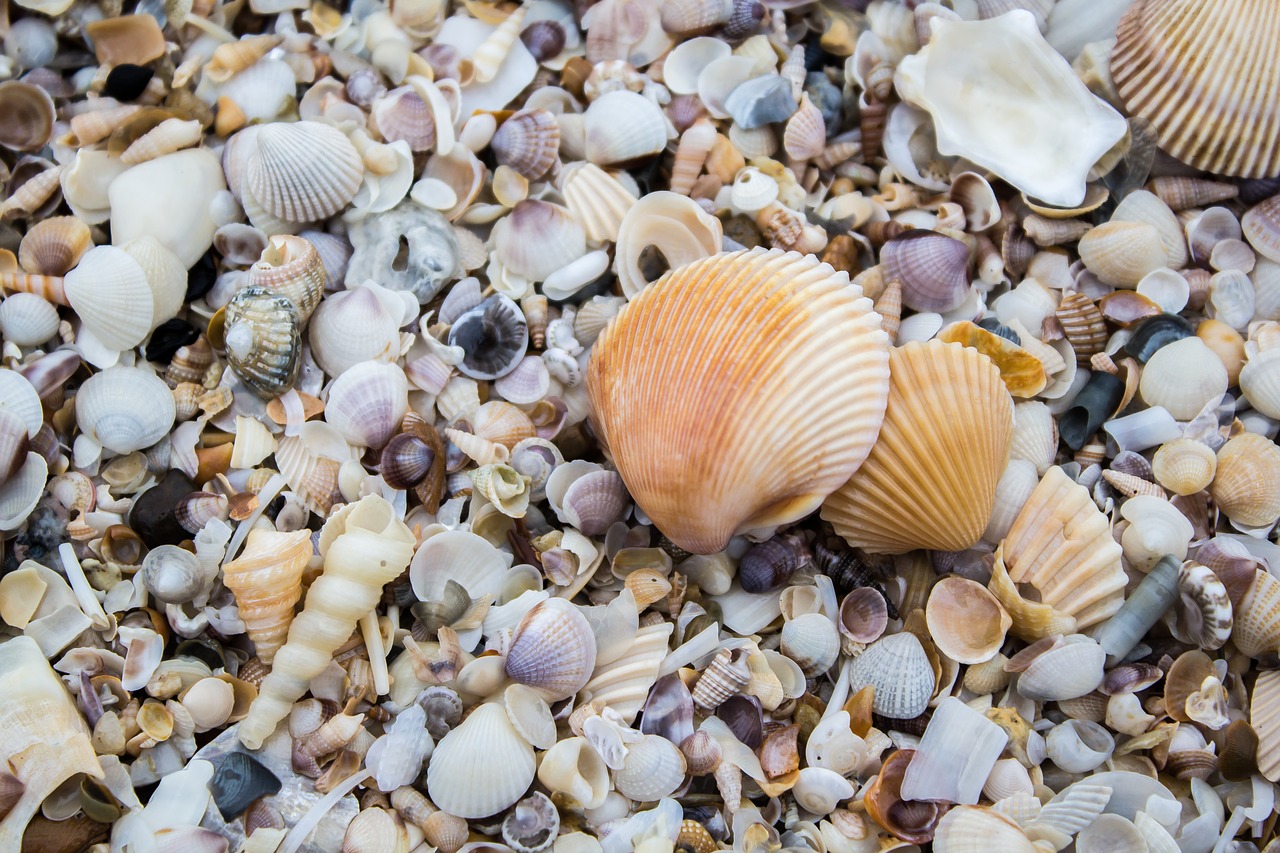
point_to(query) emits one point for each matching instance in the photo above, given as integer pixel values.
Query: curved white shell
(168, 198)
(27, 320)
(358, 325)
(109, 291)
(819, 791)
(125, 408)
(459, 556)
(303, 171)
(899, 670)
(367, 402)
(19, 397)
(654, 768)
(622, 126)
(1070, 669)
(481, 767)
(21, 492)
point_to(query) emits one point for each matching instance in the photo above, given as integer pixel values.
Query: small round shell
(528, 141)
(1184, 466)
(553, 650)
(262, 340)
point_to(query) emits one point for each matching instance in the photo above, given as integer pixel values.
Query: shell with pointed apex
(687, 444)
(529, 142)
(482, 767)
(898, 667)
(266, 580)
(1061, 545)
(965, 621)
(262, 340)
(303, 171)
(125, 408)
(1207, 79)
(553, 650)
(108, 290)
(367, 403)
(292, 266)
(950, 421)
(986, 82)
(1246, 485)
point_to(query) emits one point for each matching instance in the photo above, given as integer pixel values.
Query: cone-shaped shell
(482, 767)
(267, 582)
(1061, 545)
(748, 339)
(553, 650)
(1207, 76)
(930, 481)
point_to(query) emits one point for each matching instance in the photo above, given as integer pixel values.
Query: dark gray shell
(262, 337)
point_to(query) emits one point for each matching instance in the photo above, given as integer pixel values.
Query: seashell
(167, 137)
(725, 676)
(1156, 528)
(1264, 719)
(528, 141)
(1076, 132)
(753, 190)
(967, 829)
(974, 195)
(1261, 227)
(402, 114)
(1232, 298)
(1245, 487)
(493, 336)
(1079, 746)
(53, 246)
(1184, 466)
(573, 767)
(691, 154)
(302, 171)
(165, 275)
(1144, 207)
(1255, 630)
(1121, 253)
(1023, 374)
(805, 136)
(933, 269)
(553, 650)
(684, 230)
(737, 507)
(1083, 325)
(125, 408)
(27, 320)
(870, 511)
(291, 265)
(1071, 667)
(770, 565)
(956, 755)
(811, 641)
(355, 326)
(1035, 435)
(537, 239)
(965, 621)
(14, 441)
(262, 340)
(623, 128)
(172, 575)
(863, 616)
(911, 821)
(482, 767)
(266, 580)
(898, 668)
(818, 790)
(1060, 545)
(759, 101)
(22, 491)
(110, 294)
(654, 768)
(532, 825)
(168, 198)
(1167, 43)
(376, 830)
(596, 199)
(1204, 616)
(210, 702)
(28, 116)
(367, 403)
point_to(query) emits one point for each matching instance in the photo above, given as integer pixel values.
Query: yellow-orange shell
(736, 392)
(266, 580)
(930, 481)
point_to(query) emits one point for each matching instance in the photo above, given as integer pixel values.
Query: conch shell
(1003, 98)
(746, 339)
(365, 546)
(267, 582)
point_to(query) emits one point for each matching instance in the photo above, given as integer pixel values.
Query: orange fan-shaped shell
(736, 392)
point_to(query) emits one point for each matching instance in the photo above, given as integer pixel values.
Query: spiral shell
(267, 582)
(291, 265)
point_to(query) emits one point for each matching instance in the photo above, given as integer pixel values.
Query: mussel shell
(1157, 332)
(1096, 402)
(263, 342)
(238, 781)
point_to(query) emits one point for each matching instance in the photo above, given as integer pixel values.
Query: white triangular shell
(899, 670)
(553, 650)
(367, 402)
(481, 767)
(109, 291)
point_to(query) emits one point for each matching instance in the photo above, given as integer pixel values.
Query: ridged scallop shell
(27, 320)
(654, 768)
(1246, 486)
(1061, 545)
(687, 444)
(55, 245)
(528, 141)
(367, 402)
(292, 266)
(20, 398)
(312, 477)
(899, 670)
(1264, 716)
(932, 267)
(108, 290)
(1206, 77)
(1184, 466)
(537, 238)
(968, 829)
(1121, 253)
(267, 582)
(482, 767)
(354, 326)
(403, 114)
(624, 684)
(263, 346)
(553, 650)
(303, 171)
(949, 422)
(1256, 627)
(622, 128)
(596, 199)
(166, 276)
(125, 408)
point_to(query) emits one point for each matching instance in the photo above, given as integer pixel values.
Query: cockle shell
(528, 141)
(1265, 719)
(968, 829)
(596, 199)
(932, 268)
(302, 171)
(482, 767)
(1183, 377)
(27, 320)
(1182, 66)
(1246, 485)
(1184, 466)
(538, 238)
(941, 398)
(1256, 629)
(898, 668)
(108, 290)
(986, 82)
(267, 582)
(654, 768)
(629, 384)
(1071, 667)
(367, 402)
(125, 408)
(622, 128)
(965, 621)
(166, 276)
(54, 246)
(354, 326)
(262, 340)
(553, 650)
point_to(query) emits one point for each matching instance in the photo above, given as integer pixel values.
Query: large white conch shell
(1003, 98)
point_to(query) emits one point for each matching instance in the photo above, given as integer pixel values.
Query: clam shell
(125, 408)
(967, 829)
(654, 768)
(403, 114)
(367, 402)
(1182, 66)
(458, 556)
(18, 397)
(27, 320)
(805, 136)
(1246, 485)
(1061, 545)
(1121, 253)
(54, 246)
(356, 326)
(28, 116)
(528, 141)
(898, 668)
(168, 198)
(109, 291)
(623, 128)
(22, 491)
(537, 238)
(553, 650)
(262, 340)
(1071, 668)
(629, 384)
(941, 398)
(812, 642)
(482, 767)
(303, 171)
(932, 267)
(1184, 466)
(1259, 378)
(1256, 629)
(966, 622)
(1183, 378)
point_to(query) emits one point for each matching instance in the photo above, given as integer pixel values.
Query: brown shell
(930, 480)
(1207, 76)
(683, 381)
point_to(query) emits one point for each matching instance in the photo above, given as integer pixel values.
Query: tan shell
(1061, 545)
(1184, 466)
(966, 622)
(688, 443)
(528, 142)
(1246, 486)
(949, 422)
(1264, 716)
(596, 199)
(1256, 627)
(267, 582)
(292, 266)
(54, 246)
(1207, 77)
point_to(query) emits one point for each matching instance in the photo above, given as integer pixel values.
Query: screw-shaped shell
(267, 582)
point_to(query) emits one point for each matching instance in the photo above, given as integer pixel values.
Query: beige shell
(376, 831)
(1183, 377)
(482, 767)
(1246, 486)
(968, 829)
(1061, 546)
(806, 134)
(812, 641)
(302, 171)
(898, 667)
(529, 142)
(1184, 466)
(553, 650)
(166, 276)
(596, 199)
(684, 231)
(1256, 628)
(727, 674)
(624, 684)
(965, 621)
(949, 422)
(54, 246)
(233, 57)
(1122, 253)
(267, 582)
(687, 444)
(1205, 76)
(27, 320)
(1264, 716)
(537, 238)
(573, 767)
(170, 135)
(291, 266)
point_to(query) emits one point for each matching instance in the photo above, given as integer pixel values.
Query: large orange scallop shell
(1206, 74)
(930, 481)
(738, 391)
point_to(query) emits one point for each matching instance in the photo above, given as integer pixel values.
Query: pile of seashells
(603, 425)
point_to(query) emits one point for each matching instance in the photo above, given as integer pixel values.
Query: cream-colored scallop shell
(266, 580)
(747, 339)
(1207, 76)
(1256, 622)
(968, 829)
(481, 767)
(1061, 545)
(303, 171)
(1264, 716)
(108, 290)
(125, 408)
(553, 650)
(930, 479)
(1246, 485)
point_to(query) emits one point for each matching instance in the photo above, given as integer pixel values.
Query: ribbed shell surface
(271, 364)
(305, 171)
(738, 391)
(1207, 75)
(930, 481)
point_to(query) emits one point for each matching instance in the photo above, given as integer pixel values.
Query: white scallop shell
(109, 291)
(27, 320)
(624, 684)
(166, 276)
(20, 398)
(367, 402)
(303, 171)
(481, 767)
(21, 492)
(899, 670)
(459, 556)
(622, 127)
(354, 326)
(654, 768)
(125, 408)
(1070, 669)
